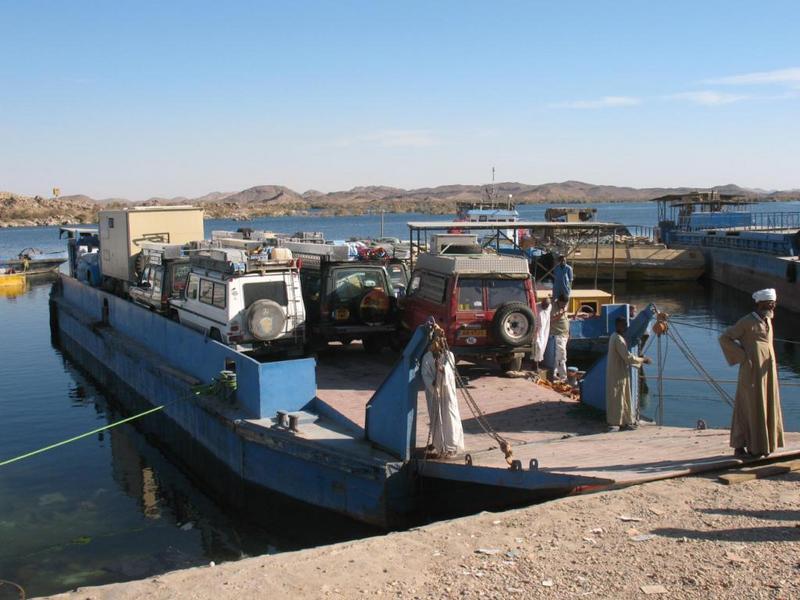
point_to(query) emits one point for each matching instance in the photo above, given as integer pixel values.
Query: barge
(348, 433)
(742, 249)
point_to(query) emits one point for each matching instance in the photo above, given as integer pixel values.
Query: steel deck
(540, 424)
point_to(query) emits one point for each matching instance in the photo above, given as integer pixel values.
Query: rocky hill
(276, 200)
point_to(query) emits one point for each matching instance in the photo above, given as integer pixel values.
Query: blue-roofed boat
(743, 248)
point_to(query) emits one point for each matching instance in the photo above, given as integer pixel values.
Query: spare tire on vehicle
(265, 319)
(374, 307)
(513, 324)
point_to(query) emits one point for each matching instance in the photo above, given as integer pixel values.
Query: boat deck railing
(759, 221)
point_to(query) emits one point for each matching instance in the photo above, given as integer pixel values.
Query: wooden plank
(760, 472)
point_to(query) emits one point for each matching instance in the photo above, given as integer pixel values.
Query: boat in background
(743, 249)
(33, 261)
(637, 262)
(624, 254)
(12, 285)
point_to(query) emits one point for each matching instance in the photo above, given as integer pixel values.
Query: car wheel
(513, 324)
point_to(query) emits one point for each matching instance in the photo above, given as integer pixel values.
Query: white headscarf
(765, 295)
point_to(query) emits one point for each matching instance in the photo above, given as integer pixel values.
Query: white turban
(765, 295)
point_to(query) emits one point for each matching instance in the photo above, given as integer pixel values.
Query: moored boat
(743, 249)
(33, 261)
(637, 262)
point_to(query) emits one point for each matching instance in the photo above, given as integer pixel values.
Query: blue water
(111, 507)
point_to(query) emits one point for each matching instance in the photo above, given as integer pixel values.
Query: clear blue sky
(138, 99)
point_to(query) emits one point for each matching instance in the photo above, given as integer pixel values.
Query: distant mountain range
(275, 200)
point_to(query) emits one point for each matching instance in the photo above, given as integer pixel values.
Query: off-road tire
(508, 319)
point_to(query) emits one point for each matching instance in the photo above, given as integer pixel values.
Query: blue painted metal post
(593, 385)
(391, 418)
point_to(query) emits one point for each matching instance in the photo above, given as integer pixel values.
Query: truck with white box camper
(123, 233)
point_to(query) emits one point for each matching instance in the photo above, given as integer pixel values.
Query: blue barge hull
(749, 260)
(236, 445)
(154, 361)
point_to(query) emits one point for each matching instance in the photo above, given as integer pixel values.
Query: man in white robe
(757, 426)
(438, 375)
(542, 332)
(619, 409)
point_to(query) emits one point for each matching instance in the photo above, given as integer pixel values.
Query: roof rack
(239, 261)
(325, 252)
(474, 264)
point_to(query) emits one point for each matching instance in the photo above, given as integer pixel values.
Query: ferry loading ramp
(563, 448)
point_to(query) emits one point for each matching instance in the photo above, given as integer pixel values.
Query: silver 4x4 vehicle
(248, 298)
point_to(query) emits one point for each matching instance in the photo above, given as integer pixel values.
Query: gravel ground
(681, 538)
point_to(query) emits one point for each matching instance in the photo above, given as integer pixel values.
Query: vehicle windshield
(265, 290)
(349, 284)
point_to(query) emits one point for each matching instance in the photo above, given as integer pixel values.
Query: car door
(471, 324)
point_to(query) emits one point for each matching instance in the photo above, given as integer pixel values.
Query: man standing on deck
(562, 279)
(757, 420)
(618, 378)
(542, 331)
(559, 329)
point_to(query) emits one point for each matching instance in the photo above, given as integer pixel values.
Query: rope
(20, 589)
(223, 387)
(692, 359)
(480, 417)
(717, 330)
(81, 436)
(789, 384)
(438, 335)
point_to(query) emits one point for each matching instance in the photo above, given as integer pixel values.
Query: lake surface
(112, 507)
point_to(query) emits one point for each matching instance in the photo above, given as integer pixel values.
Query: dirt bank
(681, 538)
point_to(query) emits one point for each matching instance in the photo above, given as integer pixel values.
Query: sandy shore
(680, 538)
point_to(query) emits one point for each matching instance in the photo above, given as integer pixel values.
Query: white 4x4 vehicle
(249, 299)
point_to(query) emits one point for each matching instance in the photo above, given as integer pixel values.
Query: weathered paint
(119, 355)
(593, 385)
(750, 260)
(391, 419)
(524, 478)
(588, 335)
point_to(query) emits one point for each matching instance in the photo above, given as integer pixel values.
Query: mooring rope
(20, 589)
(223, 386)
(79, 437)
(717, 330)
(676, 337)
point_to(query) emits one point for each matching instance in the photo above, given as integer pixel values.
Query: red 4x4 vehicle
(485, 303)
